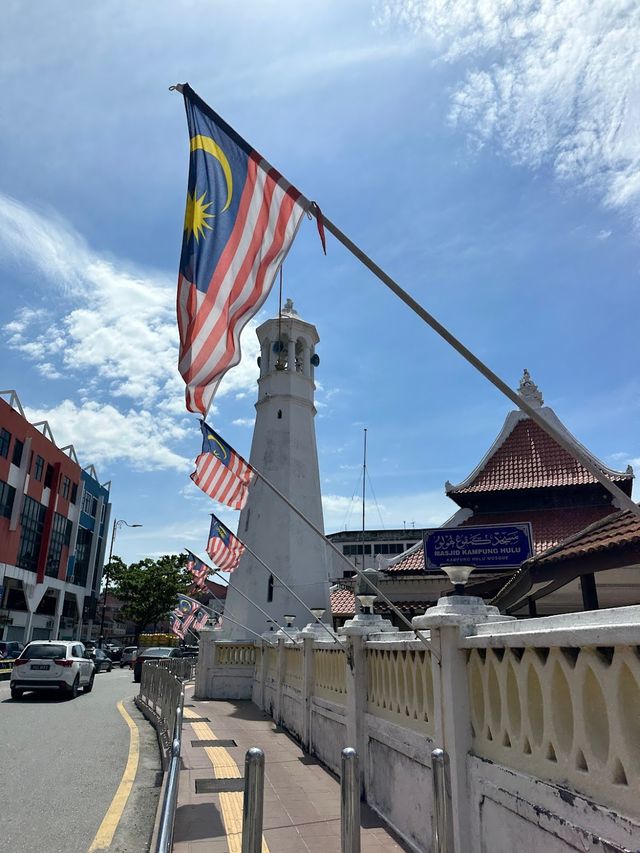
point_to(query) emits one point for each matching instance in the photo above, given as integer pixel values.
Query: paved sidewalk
(301, 798)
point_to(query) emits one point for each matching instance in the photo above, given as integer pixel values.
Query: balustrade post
(356, 699)
(205, 665)
(452, 618)
(307, 689)
(277, 704)
(264, 662)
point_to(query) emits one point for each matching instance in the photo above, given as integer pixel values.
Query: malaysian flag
(201, 619)
(223, 547)
(240, 222)
(176, 626)
(221, 472)
(184, 614)
(198, 569)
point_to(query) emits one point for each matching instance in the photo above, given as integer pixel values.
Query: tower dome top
(288, 310)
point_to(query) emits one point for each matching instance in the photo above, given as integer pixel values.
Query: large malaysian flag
(240, 222)
(221, 472)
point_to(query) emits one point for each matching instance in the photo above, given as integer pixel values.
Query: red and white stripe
(210, 323)
(228, 484)
(226, 558)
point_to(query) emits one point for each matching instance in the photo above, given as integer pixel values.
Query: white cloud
(116, 324)
(248, 422)
(552, 82)
(101, 435)
(423, 508)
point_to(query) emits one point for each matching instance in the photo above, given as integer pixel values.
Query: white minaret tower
(284, 450)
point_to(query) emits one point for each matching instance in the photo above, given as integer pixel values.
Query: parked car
(152, 653)
(101, 660)
(52, 665)
(128, 656)
(114, 650)
(189, 651)
(10, 649)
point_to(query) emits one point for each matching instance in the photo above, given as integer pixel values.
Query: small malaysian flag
(176, 626)
(240, 221)
(185, 612)
(198, 569)
(221, 472)
(201, 619)
(223, 547)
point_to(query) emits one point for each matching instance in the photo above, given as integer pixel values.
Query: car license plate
(39, 666)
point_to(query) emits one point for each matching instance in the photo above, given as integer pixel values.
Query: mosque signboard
(492, 546)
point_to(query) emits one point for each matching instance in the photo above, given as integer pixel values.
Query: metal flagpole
(278, 578)
(264, 613)
(217, 571)
(233, 621)
(351, 565)
(573, 449)
(246, 598)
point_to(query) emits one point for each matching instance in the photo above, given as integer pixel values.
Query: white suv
(52, 665)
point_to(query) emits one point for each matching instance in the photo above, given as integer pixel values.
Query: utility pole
(117, 523)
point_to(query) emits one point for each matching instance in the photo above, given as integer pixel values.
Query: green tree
(148, 589)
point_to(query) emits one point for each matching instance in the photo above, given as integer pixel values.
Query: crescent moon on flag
(205, 143)
(222, 453)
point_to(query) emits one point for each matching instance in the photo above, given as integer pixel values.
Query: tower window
(270, 589)
(279, 414)
(246, 520)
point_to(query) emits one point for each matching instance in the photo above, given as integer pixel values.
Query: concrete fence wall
(540, 719)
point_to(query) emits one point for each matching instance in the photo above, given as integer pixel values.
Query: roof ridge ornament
(529, 391)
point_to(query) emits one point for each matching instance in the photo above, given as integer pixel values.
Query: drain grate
(197, 720)
(213, 743)
(218, 786)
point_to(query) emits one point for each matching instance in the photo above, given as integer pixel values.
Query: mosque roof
(524, 456)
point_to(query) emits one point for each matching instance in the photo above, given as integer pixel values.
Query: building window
(89, 504)
(83, 552)
(7, 496)
(48, 477)
(270, 589)
(66, 487)
(39, 468)
(18, 447)
(32, 521)
(58, 531)
(5, 441)
(74, 493)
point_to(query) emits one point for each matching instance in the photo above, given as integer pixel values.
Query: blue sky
(486, 154)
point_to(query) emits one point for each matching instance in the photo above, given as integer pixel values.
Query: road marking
(231, 802)
(107, 828)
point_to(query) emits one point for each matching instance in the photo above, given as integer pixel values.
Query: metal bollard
(442, 814)
(253, 801)
(350, 802)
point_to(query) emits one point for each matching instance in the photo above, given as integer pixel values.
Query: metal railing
(164, 841)
(160, 691)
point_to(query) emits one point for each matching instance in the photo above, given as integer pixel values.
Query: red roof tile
(620, 530)
(527, 459)
(343, 601)
(550, 526)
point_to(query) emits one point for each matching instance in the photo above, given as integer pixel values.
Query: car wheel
(72, 691)
(89, 687)
(16, 693)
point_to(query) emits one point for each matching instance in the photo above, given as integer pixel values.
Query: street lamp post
(117, 523)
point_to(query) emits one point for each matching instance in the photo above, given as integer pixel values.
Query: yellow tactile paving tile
(224, 767)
